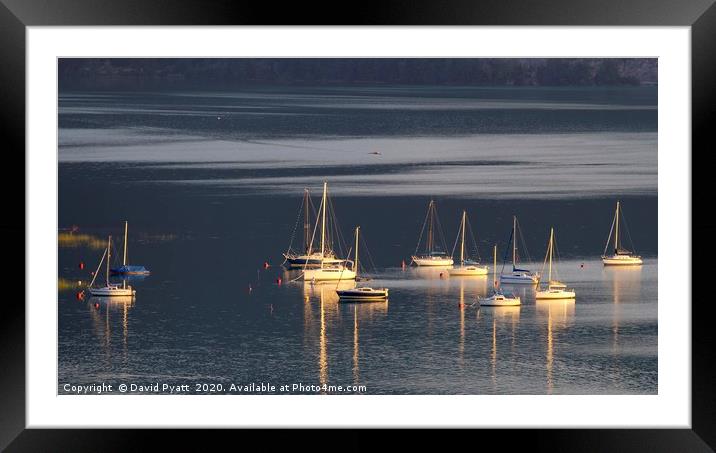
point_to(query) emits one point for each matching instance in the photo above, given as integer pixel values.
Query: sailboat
(329, 269)
(498, 298)
(431, 256)
(307, 257)
(517, 276)
(109, 290)
(555, 289)
(621, 255)
(126, 269)
(467, 266)
(361, 293)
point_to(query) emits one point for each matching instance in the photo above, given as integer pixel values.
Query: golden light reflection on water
(102, 322)
(323, 353)
(461, 347)
(558, 315)
(626, 281)
(356, 373)
(500, 316)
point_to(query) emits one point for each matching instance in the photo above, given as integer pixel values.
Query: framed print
(483, 225)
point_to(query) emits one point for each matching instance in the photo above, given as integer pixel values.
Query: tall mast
(124, 260)
(306, 224)
(431, 210)
(356, 263)
(323, 221)
(109, 241)
(616, 235)
(494, 267)
(462, 245)
(514, 240)
(551, 244)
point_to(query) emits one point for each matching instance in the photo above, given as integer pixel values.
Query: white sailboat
(361, 293)
(110, 289)
(621, 256)
(498, 298)
(432, 255)
(517, 276)
(329, 269)
(555, 289)
(467, 266)
(306, 257)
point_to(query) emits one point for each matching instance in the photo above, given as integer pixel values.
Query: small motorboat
(497, 299)
(363, 294)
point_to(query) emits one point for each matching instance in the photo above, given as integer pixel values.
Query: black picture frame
(16, 15)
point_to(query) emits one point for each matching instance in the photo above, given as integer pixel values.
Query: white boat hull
(622, 260)
(467, 271)
(499, 300)
(328, 274)
(519, 279)
(112, 291)
(432, 261)
(555, 294)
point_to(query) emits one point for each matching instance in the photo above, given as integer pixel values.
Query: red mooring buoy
(266, 265)
(278, 281)
(82, 265)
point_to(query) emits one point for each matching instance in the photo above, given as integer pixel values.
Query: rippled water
(211, 185)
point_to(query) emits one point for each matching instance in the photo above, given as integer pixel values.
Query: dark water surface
(211, 185)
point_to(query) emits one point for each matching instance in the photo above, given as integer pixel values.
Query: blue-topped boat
(127, 269)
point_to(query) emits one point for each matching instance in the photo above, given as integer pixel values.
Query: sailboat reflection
(626, 285)
(558, 315)
(100, 308)
(325, 295)
(501, 316)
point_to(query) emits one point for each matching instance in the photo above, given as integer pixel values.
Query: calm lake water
(211, 184)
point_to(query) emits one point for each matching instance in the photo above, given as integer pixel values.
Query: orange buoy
(82, 265)
(96, 305)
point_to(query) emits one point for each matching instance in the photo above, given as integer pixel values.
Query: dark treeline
(228, 72)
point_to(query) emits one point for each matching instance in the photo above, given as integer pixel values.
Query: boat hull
(322, 275)
(362, 295)
(500, 301)
(112, 292)
(469, 271)
(555, 294)
(432, 261)
(622, 260)
(519, 279)
(308, 261)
